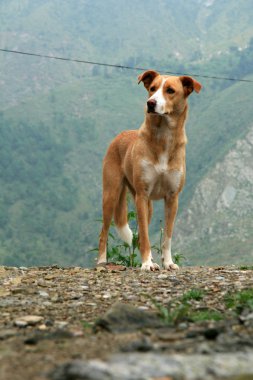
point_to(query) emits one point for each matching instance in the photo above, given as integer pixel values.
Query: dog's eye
(152, 89)
(170, 90)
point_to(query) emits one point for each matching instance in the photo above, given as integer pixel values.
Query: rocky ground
(117, 323)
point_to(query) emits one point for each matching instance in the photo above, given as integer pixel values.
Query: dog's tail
(125, 233)
(120, 218)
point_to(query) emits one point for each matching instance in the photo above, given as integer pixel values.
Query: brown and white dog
(150, 163)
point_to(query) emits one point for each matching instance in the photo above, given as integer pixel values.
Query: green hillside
(170, 34)
(57, 118)
(51, 168)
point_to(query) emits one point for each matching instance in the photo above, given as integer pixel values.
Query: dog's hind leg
(112, 185)
(120, 217)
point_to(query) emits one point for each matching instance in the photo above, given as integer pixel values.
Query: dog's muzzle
(151, 105)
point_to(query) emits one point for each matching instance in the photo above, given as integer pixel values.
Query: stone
(124, 318)
(20, 323)
(61, 324)
(5, 334)
(162, 276)
(141, 345)
(28, 320)
(100, 269)
(79, 370)
(139, 366)
(42, 293)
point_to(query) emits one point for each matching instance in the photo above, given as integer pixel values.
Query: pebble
(28, 320)
(106, 296)
(162, 276)
(143, 307)
(42, 327)
(61, 324)
(20, 323)
(100, 269)
(42, 293)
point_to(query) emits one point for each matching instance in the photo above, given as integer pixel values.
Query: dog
(150, 163)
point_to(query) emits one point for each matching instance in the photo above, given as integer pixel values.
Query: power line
(122, 66)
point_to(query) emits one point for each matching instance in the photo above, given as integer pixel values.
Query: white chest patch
(159, 178)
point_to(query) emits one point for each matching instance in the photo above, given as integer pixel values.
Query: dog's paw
(150, 266)
(170, 266)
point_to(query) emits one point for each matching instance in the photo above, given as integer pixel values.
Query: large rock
(153, 366)
(126, 318)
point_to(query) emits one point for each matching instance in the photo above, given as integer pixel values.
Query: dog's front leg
(170, 209)
(142, 207)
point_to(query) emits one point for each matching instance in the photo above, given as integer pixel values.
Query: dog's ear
(147, 77)
(189, 85)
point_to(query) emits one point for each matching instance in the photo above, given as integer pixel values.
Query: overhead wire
(123, 66)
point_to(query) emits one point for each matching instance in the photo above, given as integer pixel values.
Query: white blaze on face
(160, 99)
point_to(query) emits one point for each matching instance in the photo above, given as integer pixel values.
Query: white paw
(101, 263)
(150, 266)
(170, 266)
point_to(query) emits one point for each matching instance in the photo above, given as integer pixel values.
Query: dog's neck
(158, 128)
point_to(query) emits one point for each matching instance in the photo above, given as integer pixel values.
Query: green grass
(206, 315)
(193, 294)
(182, 309)
(238, 301)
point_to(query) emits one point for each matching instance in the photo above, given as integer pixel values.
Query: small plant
(193, 294)
(240, 300)
(123, 254)
(159, 247)
(86, 325)
(206, 315)
(246, 267)
(178, 258)
(181, 309)
(172, 314)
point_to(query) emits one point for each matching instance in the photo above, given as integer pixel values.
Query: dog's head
(167, 94)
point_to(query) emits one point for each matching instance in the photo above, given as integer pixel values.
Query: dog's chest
(159, 178)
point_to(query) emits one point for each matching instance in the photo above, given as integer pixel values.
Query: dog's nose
(151, 105)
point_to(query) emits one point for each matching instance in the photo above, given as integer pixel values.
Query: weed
(246, 267)
(193, 294)
(123, 254)
(86, 325)
(181, 309)
(206, 315)
(159, 247)
(178, 258)
(240, 300)
(172, 314)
